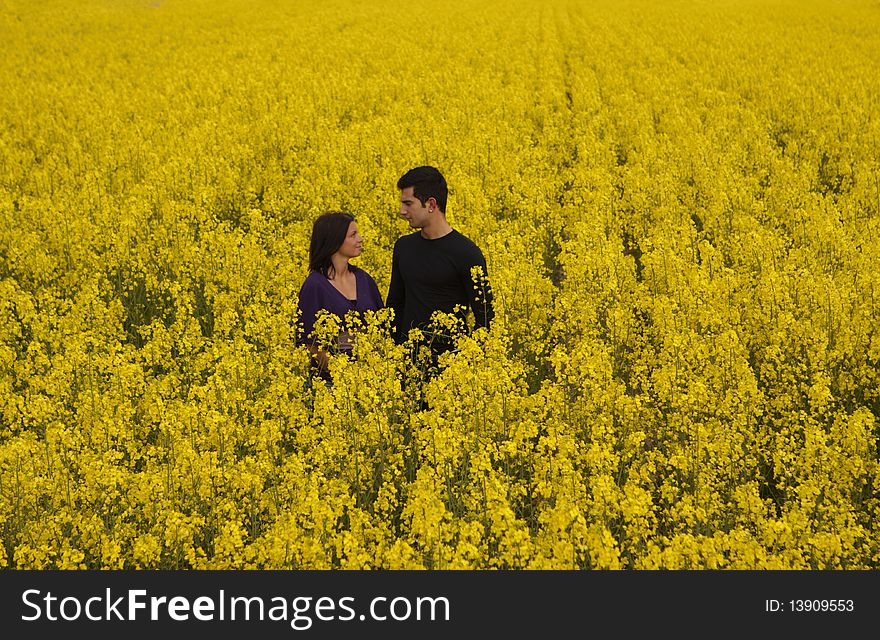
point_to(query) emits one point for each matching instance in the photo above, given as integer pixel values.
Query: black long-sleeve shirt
(435, 275)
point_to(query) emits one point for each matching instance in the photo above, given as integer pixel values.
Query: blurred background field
(679, 207)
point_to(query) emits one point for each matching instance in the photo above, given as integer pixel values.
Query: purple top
(317, 293)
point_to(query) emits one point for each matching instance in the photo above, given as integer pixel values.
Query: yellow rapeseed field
(678, 203)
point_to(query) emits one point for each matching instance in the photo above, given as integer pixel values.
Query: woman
(333, 284)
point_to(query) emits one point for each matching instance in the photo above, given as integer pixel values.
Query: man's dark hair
(427, 182)
(328, 234)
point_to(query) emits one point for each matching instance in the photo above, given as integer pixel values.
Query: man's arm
(480, 297)
(396, 296)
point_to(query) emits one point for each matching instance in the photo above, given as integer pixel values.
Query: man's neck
(436, 229)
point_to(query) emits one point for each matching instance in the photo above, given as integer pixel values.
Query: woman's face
(352, 245)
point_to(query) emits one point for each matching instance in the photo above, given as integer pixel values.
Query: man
(431, 269)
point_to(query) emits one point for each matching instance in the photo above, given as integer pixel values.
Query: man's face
(413, 211)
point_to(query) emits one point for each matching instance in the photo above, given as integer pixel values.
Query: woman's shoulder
(360, 273)
(314, 277)
(313, 282)
(369, 291)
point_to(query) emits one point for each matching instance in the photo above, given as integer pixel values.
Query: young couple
(431, 270)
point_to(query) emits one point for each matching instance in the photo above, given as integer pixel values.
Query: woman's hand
(344, 341)
(321, 357)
